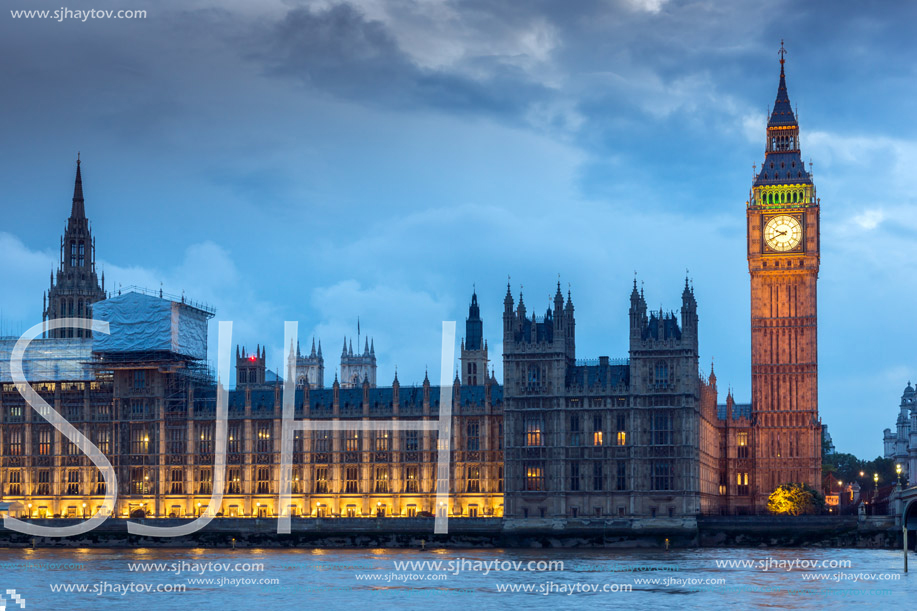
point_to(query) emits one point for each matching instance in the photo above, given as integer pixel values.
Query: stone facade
(900, 444)
(606, 437)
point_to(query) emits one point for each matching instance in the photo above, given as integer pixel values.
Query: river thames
(206, 579)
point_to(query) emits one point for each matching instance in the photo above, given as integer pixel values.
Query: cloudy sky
(320, 161)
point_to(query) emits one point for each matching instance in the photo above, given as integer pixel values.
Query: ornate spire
(78, 211)
(783, 164)
(782, 114)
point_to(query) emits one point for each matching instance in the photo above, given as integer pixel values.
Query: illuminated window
(43, 487)
(411, 441)
(321, 480)
(234, 442)
(15, 488)
(264, 480)
(44, 441)
(533, 427)
(205, 438)
(73, 482)
(742, 444)
(742, 483)
(321, 442)
(381, 479)
(234, 483)
(411, 481)
(597, 430)
(263, 437)
(621, 426)
(140, 441)
(534, 477)
(350, 481)
(178, 482)
(383, 441)
(15, 442)
(352, 443)
(473, 479)
(205, 482)
(138, 480)
(103, 441)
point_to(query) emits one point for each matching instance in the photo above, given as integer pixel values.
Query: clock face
(783, 233)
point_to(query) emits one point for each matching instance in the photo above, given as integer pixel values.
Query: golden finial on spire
(781, 53)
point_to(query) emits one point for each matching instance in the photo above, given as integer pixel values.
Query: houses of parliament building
(640, 436)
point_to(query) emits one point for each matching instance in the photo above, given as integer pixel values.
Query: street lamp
(898, 471)
(875, 491)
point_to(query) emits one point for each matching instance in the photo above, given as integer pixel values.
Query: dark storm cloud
(340, 51)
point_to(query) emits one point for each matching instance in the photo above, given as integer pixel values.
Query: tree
(794, 500)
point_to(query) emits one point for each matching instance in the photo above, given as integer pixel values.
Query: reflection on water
(203, 579)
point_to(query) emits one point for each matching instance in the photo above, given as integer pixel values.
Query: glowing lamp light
(252, 358)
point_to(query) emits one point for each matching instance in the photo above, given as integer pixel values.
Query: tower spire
(782, 113)
(78, 211)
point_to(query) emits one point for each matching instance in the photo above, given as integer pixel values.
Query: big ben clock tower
(783, 259)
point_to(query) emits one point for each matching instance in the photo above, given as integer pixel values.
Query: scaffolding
(50, 360)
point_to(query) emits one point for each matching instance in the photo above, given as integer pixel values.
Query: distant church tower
(76, 287)
(310, 369)
(783, 261)
(250, 368)
(474, 347)
(356, 367)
